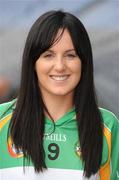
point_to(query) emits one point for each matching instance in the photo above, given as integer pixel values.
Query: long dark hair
(27, 123)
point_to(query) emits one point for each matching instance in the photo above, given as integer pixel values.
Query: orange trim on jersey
(105, 169)
(5, 120)
(12, 150)
(10, 147)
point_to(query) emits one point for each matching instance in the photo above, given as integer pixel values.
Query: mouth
(59, 77)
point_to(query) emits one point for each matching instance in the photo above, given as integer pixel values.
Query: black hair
(27, 123)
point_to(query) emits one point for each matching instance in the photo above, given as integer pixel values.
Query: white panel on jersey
(50, 174)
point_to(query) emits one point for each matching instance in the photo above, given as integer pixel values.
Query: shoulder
(7, 108)
(109, 118)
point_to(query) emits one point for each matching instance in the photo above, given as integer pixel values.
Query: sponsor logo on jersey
(78, 149)
(55, 137)
(12, 150)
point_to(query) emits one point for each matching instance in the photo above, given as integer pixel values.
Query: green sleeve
(115, 150)
(6, 108)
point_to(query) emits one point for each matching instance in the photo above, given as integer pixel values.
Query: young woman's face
(59, 68)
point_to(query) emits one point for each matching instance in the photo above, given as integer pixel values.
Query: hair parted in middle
(27, 124)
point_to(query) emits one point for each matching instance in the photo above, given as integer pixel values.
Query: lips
(59, 77)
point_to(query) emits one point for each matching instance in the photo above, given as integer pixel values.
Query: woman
(55, 124)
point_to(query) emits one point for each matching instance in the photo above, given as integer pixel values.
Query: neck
(57, 106)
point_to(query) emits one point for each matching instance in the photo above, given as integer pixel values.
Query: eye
(48, 55)
(71, 56)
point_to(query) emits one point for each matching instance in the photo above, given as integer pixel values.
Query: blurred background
(101, 19)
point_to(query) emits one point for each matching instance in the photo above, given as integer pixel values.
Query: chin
(62, 93)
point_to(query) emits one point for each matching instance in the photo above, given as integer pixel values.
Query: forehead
(63, 40)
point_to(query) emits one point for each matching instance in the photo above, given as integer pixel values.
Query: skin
(60, 60)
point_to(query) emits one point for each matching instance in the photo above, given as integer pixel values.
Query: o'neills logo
(78, 149)
(12, 150)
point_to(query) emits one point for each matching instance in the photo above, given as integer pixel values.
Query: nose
(60, 64)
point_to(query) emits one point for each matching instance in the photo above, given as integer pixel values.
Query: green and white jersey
(62, 149)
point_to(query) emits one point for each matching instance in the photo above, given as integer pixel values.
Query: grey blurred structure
(101, 19)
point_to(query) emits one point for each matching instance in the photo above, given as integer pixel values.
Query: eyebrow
(69, 50)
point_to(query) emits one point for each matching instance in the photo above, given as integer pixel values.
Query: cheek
(41, 69)
(76, 68)
(77, 72)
